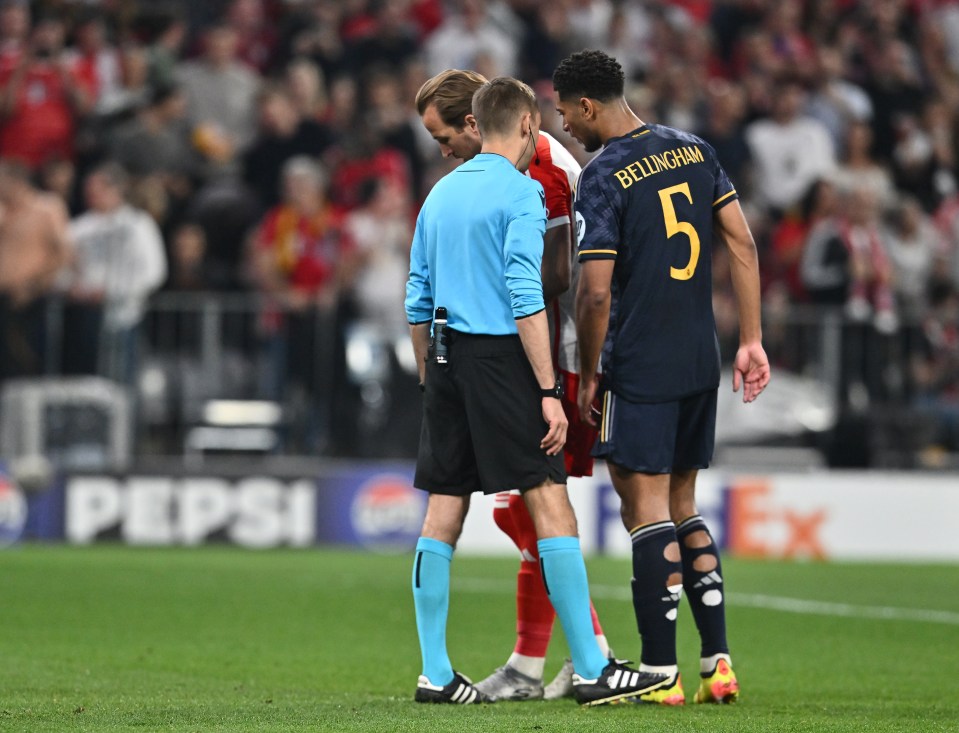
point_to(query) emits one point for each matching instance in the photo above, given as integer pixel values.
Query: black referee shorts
(483, 421)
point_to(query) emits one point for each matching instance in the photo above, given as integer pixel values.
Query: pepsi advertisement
(370, 505)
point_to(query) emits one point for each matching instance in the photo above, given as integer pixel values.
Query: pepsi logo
(388, 512)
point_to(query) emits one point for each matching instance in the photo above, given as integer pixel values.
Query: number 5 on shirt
(674, 226)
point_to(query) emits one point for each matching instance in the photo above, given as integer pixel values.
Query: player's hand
(751, 370)
(555, 417)
(585, 396)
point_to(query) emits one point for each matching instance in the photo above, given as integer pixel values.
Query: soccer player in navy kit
(647, 209)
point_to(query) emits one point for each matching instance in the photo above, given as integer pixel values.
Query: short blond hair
(500, 103)
(451, 91)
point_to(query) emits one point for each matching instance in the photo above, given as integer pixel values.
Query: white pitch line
(750, 600)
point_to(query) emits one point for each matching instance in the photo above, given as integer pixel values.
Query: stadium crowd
(271, 147)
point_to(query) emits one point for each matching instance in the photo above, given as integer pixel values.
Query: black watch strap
(555, 391)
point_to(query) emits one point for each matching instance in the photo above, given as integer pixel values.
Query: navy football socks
(657, 588)
(703, 582)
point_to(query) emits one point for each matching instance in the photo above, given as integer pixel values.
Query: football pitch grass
(219, 639)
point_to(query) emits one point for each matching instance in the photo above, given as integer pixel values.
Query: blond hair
(451, 92)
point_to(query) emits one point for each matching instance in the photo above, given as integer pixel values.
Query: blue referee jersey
(647, 201)
(478, 248)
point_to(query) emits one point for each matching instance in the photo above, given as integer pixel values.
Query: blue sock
(564, 575)
(431, 598)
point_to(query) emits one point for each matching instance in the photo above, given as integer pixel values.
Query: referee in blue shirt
(492, 418)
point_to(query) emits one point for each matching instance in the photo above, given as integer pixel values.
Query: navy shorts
(658, 437)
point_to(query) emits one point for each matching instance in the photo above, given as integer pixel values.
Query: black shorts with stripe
(483, 421)
(658, 437)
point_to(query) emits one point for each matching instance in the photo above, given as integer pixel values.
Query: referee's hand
(555, 417)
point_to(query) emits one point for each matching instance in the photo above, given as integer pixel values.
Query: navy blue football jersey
(647, 201)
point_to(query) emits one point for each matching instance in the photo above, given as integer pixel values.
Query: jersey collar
(644, 128)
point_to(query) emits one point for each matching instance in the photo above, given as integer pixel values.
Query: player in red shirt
(444, 104)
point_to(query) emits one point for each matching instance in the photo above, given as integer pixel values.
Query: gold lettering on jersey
(660, 160)
(655, 163)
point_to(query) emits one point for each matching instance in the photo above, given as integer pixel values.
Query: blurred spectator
(343, 109)
(381, 228)
(34, 246)
(221, 97)
(858, 167)
(362, 155)
(166, 32)
(470, 39)
(592, 22)
(40, 98)
(14, 30)
(313, 31)
(154, 149)
(302, 261)
(191, 271)
(681, 103)
(755, 55)
(427, 14)
(870, 288)
(790, 47)
(307, 87)
(790, 151)
(256, 35)
(935, 367)
(389, 42)
(283, 134)
(895, 88)
(394, 117)
(227, 210)
(924, 159)
(119, 262)
(629, 33)
(723, 129)
(301, 254)
(913, 245)
(96, 63)
(548, 40)
(789, 238)
(845, 264)
(945, 17)
(825, 268)
(59, 177)
(835, 101)
(947, 224)
(135, 87)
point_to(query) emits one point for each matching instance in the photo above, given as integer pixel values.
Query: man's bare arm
(420, 336)
(557, 266)
(751, 366)
(534, 333)
(592, 321)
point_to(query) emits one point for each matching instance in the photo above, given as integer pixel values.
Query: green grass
(216, 639)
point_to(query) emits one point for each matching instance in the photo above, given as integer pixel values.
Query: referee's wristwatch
(555, 391)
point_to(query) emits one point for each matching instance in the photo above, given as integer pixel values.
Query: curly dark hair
(591, 74)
